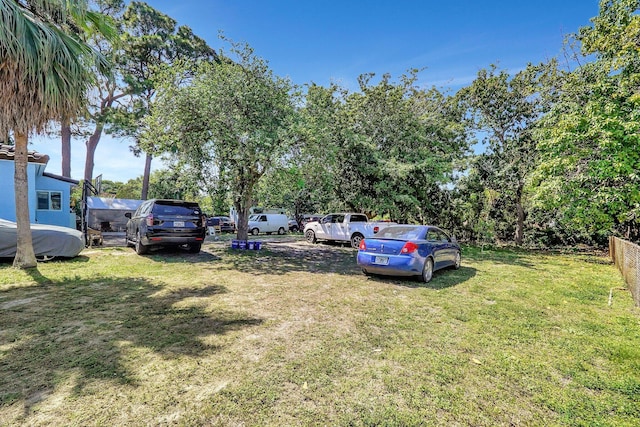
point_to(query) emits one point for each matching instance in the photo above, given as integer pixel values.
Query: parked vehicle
(162, 222)
(307, 218)
(49, 241)
(221, 223)
(268, 223)
(408, 250)
(343, 227)
(294, 227)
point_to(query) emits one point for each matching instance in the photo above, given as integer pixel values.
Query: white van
(268, 223)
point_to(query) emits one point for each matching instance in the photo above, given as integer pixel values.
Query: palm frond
(44, 69)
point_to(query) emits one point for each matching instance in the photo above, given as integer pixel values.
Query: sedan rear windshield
(401, 232)
(181, 210)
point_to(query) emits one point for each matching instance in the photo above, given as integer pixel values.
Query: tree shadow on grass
(442, 279)
(79, 258)
(286, 257)
(179, 255)
(508, 256)
(84, 329)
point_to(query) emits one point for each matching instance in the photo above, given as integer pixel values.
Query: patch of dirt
(17, 302)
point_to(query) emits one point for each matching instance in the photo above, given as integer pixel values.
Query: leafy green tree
(151, 39)
(285, 187)
(232, 118)
(175, 183)
(387, 149)
(148, 38)
(46, 75)
(314, 160)
(589, 141)
(505, 110)
(130, 189)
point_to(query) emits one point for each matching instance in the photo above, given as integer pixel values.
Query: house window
(49, 200)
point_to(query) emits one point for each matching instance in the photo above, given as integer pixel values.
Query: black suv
(160, 222)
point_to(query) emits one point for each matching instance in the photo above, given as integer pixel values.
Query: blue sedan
(408, 250)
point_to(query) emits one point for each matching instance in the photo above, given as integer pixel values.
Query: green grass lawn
(294, 334)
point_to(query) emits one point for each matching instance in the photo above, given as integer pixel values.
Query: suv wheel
(140, 248)
(194, 248)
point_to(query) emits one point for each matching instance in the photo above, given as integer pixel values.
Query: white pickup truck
(344, 227)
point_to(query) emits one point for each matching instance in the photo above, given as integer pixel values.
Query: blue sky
(324, 41)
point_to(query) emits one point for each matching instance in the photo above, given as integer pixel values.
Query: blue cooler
(235, 244)
(257, 245)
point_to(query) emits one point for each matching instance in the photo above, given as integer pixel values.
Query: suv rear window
(172, 209)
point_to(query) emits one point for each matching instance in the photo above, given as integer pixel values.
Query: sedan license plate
(381, 260)
(178, 223)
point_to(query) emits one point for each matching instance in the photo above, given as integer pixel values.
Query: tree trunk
(243, 224)
(92, 144)
(25, 256)
(145, 178)
(65, 132)
(243, 205)
(520, 218)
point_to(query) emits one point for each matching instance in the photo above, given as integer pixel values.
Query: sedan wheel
(310, 236)
(457, 262)
(427, 271)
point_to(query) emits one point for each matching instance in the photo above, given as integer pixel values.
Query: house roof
(61, 178)
(108, 203)
(7, 152)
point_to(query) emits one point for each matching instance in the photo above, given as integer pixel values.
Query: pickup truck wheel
(310, 236)
(281, 231)
(356, 239)
(255, 231)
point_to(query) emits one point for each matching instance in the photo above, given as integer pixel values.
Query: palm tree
(45, 71)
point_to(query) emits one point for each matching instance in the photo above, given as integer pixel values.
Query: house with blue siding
(49, 194)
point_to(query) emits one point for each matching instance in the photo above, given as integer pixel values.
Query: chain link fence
(626, 256)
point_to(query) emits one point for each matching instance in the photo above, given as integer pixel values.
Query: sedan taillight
(409, 248)
(363, 246)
